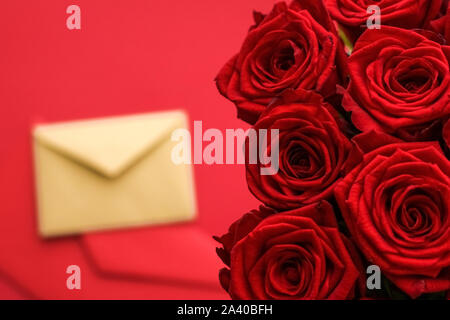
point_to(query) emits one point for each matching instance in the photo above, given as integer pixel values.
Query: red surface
(130, 56)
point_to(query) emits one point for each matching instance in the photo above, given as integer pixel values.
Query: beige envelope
(110, 173)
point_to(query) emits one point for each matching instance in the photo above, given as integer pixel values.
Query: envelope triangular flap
(110, 145)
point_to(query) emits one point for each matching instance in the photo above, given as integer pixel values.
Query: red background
(129, 57)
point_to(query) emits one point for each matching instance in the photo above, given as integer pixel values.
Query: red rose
(408, 14)
(292, 47)
(400, 83)
(239, 229)
(446, 134)
(292, 255)
(442, 25)
(313, 152)
(396, 205)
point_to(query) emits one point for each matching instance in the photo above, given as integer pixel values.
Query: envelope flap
(110, 145)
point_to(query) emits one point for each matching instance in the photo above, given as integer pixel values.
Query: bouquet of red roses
(360, 98)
